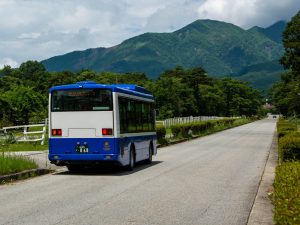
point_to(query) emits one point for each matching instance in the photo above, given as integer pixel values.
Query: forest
(178, 92)
(286, 93)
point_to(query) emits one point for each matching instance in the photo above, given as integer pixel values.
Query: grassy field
(20, 147)
(10, 145)
(13, 164)
(10, 163)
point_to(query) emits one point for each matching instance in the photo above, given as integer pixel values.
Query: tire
(131, 165)
(149, 160)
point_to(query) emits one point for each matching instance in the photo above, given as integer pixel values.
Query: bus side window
(122, 116)
(131, 116)
(135, 116)
(138, 116)
(146, 117)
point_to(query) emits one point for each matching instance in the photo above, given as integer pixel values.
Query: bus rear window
(81, 100)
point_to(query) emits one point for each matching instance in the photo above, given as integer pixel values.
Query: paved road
(211, 180)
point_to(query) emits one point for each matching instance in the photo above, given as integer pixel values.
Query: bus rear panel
(91, 123)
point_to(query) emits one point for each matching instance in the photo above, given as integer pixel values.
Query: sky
(40, 29)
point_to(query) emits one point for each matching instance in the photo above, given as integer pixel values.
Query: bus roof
(130, 89)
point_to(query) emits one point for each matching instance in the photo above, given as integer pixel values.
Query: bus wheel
(149, 160)
(74, 168)
(131, 160)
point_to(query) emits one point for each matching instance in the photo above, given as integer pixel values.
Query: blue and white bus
(92, 123)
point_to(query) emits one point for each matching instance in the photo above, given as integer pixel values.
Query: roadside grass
(286, 197)
(21, 147)
(10, 164)
(287, 193)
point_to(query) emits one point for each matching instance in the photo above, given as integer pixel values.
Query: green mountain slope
(261, 81)
(274, 32)
(262, 75)
(220, 48)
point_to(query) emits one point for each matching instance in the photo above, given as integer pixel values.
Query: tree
(291, 43)
(85, 75)
(31, 70)
(212, 101)
(174, 98)
(286, 93)
(21, 103)
(8, 82)
(60, 78)
(240, 98)
(286, 96)
(34, 74)
(6, 71)
(128, 78)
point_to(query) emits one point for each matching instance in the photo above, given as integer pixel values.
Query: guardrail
(28, 136)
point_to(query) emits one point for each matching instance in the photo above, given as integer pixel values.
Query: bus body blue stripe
(65, 148)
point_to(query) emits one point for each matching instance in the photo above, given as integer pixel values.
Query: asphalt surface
(210, 180)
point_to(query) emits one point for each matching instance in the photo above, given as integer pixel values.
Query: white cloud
(29, 35)
(248, 13)
(36, 30)
(8, 62)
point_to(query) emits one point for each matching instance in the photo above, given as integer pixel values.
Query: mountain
(274, 32)
(220, 48)
(262, 75)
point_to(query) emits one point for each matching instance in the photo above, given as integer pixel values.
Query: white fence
(190, 119)
(26, 135)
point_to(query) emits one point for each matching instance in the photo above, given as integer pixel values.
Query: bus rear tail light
(56, 132)
(106, 131)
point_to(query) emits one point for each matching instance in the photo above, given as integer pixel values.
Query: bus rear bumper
(67, 159)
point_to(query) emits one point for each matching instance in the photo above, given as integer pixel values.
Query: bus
(91, 124)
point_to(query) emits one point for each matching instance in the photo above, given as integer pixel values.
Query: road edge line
(262, 208)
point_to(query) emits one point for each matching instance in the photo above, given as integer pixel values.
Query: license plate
(82, 149)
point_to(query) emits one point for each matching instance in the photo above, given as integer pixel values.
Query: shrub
(161, 133)
(189, 129)
(289, 146)
(287, 193)
(181, 130)
(197, 128)
(229, 121)
(285, 125)
(241, 121)
(175, 130)
(281, 134)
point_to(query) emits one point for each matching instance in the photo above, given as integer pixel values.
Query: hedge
(285, 127)
(189, 129)
(287, 180)
(289, 147)
(288, 141)
(161, 133)
(287, 193)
